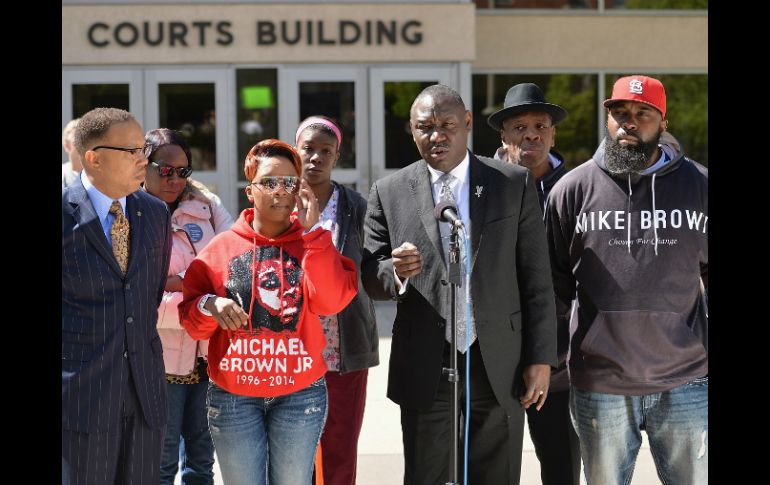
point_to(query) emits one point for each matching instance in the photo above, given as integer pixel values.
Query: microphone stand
(453, 375)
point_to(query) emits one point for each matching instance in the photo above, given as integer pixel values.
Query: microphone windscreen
(438, 211)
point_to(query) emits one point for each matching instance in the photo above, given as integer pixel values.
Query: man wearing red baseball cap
(643, 89)
(628, 238)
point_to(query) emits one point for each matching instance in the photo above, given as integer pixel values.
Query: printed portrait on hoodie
(278, 298)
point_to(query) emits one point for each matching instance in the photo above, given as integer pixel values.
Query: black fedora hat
(522, 98)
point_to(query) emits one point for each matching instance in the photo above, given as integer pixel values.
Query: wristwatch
(202, 304)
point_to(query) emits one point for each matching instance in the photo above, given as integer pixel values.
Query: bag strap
(211, 218)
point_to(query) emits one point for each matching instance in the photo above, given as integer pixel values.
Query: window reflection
(335, 100)
(191, 110)
(400, 149)
(86, 97)
(257, 111)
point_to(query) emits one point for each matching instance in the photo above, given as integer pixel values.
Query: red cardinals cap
(643, 89)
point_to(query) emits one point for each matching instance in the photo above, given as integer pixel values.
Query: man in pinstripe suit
(113, 378)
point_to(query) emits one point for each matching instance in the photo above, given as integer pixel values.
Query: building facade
(229, 74)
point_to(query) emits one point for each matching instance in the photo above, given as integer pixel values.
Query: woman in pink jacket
(197, 215)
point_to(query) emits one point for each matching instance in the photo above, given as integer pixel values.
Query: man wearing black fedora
(527, 127)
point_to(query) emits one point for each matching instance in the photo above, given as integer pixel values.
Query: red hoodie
(297, 277)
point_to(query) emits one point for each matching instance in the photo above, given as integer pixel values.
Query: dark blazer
(511, 285)
(108, 320)
(359, 340)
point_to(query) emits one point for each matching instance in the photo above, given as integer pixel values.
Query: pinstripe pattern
(131, 457)
(105, 315)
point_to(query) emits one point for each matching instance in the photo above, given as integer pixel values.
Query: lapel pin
(479, 189)
(139, 213)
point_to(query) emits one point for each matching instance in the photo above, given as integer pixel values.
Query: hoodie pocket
(642, 346)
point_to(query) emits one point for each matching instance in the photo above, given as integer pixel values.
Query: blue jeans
(187, 420)
(609, 427)
(258, 437)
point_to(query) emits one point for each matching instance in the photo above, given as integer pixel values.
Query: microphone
(446, 211)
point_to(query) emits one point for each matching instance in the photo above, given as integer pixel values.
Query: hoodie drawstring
(253, 280)
(628, 237)
(281, 276)
(654, 222)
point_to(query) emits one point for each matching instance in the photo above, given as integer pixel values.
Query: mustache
(438, 145)
(622, 132)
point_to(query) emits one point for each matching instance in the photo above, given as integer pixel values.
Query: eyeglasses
(166, 171)
(290, 183)
(145, 150)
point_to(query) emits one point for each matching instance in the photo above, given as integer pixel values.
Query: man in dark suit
(115, 255)
(513, 323)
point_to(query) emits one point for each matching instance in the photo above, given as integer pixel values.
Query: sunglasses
(146, 150)
(290, 183)
(166, 171)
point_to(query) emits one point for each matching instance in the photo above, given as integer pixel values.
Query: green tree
(665, 4)
(576, 135)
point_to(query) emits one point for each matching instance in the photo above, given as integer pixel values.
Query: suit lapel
(84, 213)
(478, 196)
(422, 196)
(135, 215)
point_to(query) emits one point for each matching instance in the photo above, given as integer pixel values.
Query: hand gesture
(307, 205)
(407, 260)
(228, 314)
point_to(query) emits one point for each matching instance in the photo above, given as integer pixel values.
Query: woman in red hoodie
(255, 292)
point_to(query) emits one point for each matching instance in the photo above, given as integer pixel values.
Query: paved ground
(380, 452)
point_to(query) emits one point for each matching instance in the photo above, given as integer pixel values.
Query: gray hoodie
(634, 249)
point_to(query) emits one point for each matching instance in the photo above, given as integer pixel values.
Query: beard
(622, 160)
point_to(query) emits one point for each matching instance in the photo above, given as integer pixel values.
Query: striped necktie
(446, 194)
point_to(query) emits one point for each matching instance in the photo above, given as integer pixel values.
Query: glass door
(195, 102)
(392, 90)
(338, 92)
(86, 89)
